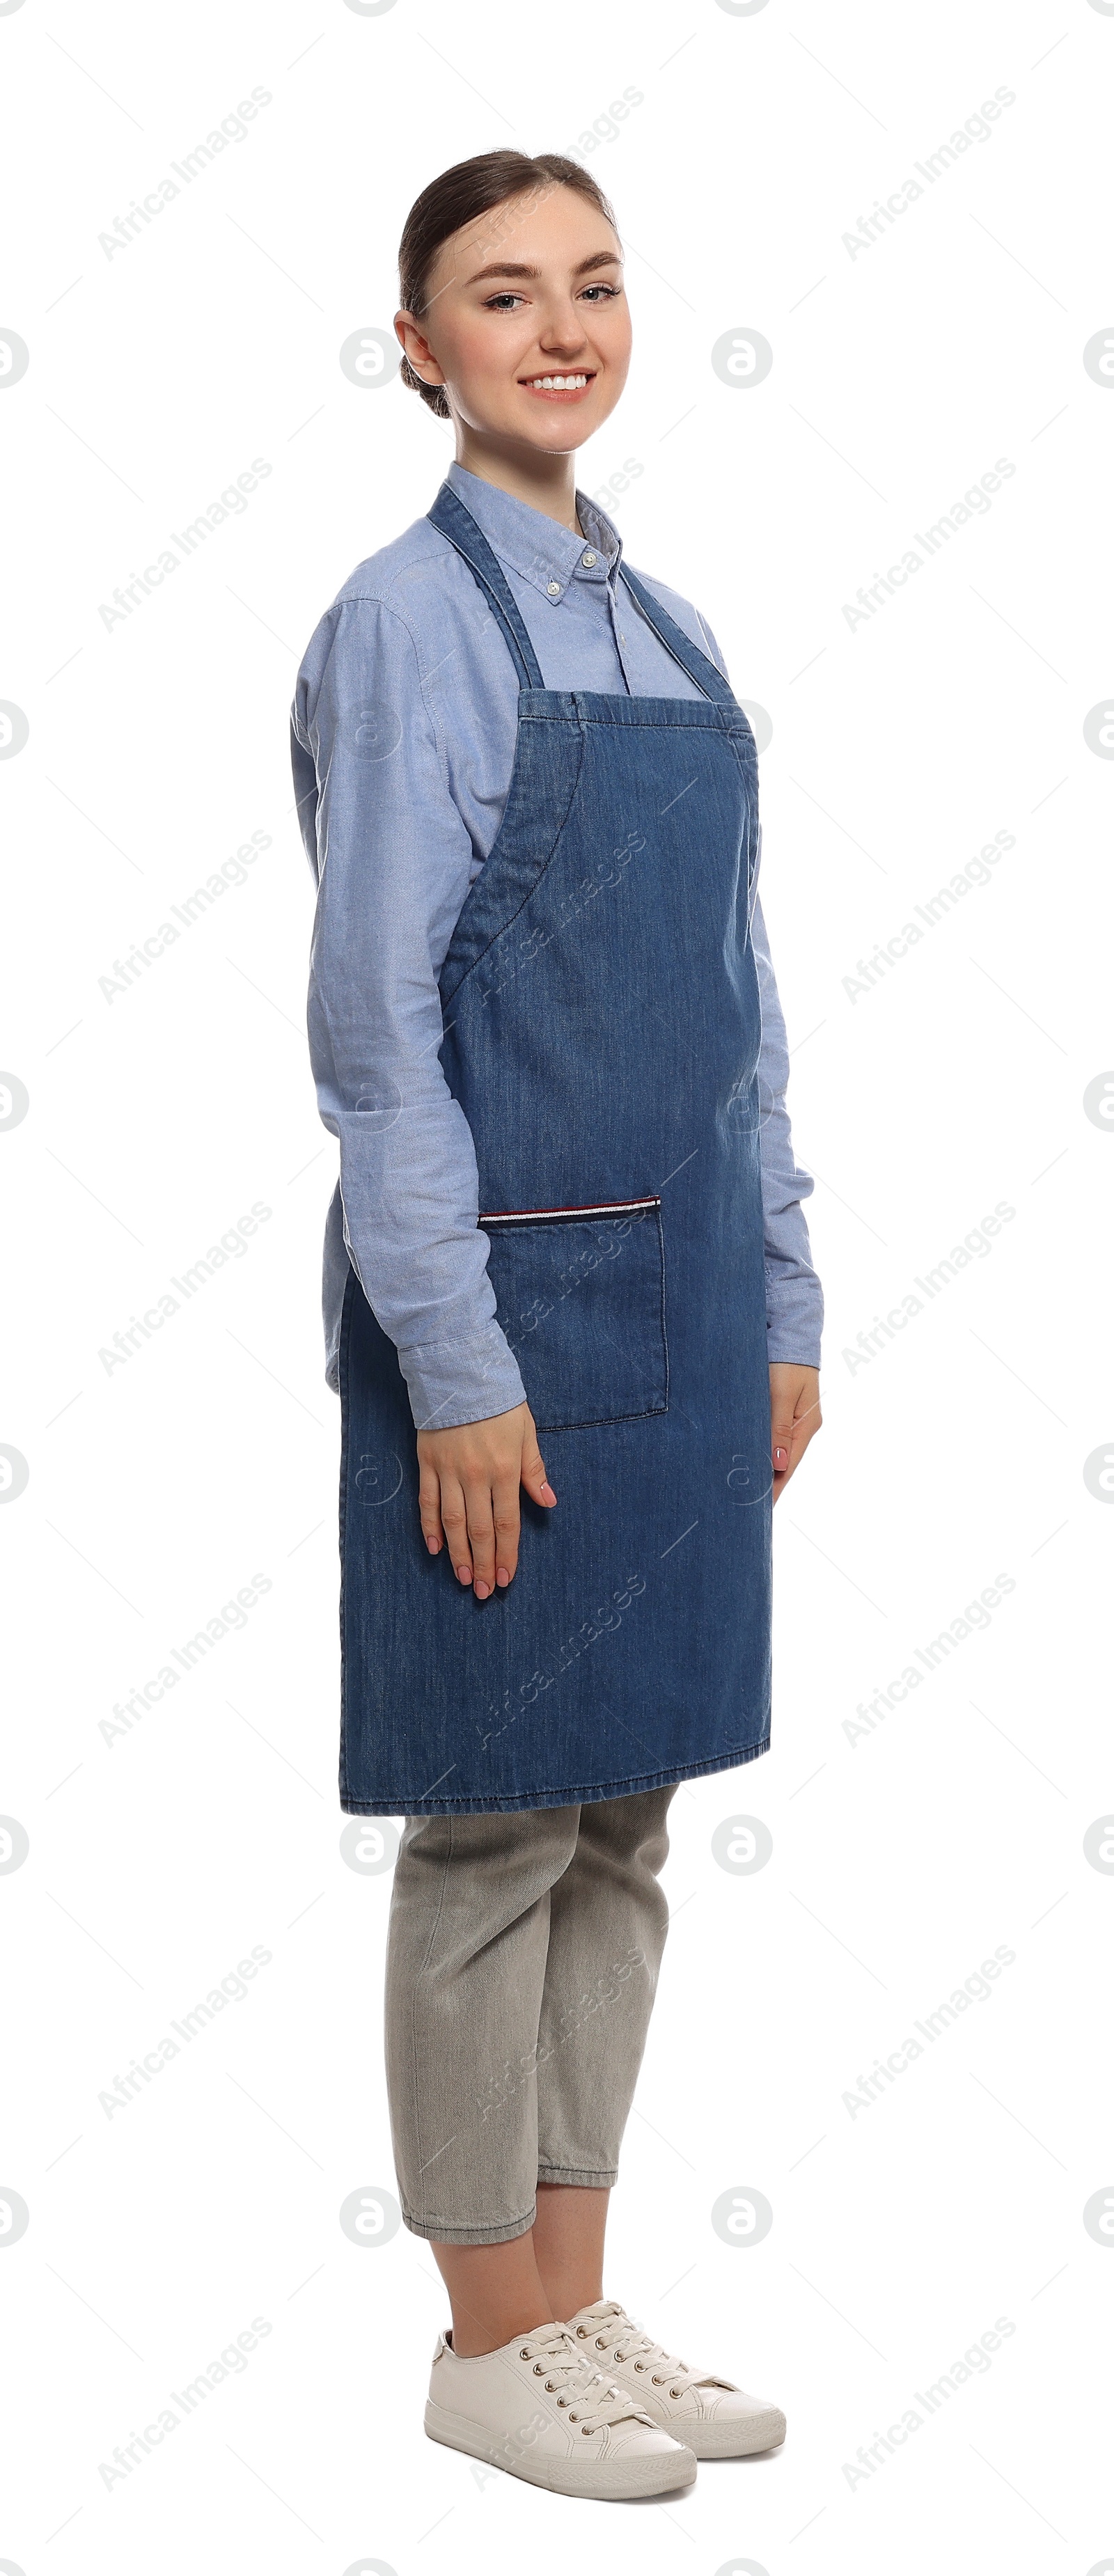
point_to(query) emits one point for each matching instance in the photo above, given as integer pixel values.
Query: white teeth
(559, 384)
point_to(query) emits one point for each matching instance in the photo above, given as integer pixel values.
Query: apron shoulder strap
(455, 521)
(700, 669)
(452, 518)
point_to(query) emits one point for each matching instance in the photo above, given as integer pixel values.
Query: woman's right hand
(468, 1493)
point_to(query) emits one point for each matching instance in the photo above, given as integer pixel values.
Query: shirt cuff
(794, 1322)
(450, 1383)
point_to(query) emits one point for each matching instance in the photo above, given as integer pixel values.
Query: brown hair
(473, 188)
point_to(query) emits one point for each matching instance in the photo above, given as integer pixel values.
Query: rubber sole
(734, 2441)
(605, 2481)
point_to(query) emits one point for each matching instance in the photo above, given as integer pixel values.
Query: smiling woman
(546, 1032)
(458, 290)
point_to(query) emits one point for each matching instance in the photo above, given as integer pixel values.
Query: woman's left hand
(794, 1416)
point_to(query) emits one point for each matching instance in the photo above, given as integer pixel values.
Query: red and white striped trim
(567, 1215)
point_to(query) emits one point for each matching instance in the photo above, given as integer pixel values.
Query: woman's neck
(545, 483)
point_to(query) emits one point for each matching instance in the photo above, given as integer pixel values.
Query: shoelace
(620, 2340)
(567, 2373)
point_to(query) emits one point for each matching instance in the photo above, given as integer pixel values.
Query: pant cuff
(590, 2177)
(447, 2231)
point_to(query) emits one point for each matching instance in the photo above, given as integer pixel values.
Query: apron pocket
(580, 1294)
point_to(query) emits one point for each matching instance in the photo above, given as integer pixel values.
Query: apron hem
(586, 1797)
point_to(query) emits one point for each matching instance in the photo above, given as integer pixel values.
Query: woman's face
(527, 326)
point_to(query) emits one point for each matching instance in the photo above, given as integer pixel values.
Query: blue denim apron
(602, 1028)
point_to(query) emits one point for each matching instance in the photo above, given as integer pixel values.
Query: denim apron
(602, 1029)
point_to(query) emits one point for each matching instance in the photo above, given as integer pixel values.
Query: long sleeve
(794, 1297)
(393, 861)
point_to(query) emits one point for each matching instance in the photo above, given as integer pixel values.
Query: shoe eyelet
(582, 2330)
(572, 2418)
(674, 2392)
(640, 2365)
(537, 2370)
(655, 2382)
(585, 2428)
(524, 2355)
(551, 2386)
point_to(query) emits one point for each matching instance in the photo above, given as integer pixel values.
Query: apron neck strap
(455, 521)
(701, 670)
(451, 516)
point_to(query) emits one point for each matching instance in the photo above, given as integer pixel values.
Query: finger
(807, 1417)
(429, 1509)
(532, 1470)
(507, 1530)
(481, 1536)
(792, 1435)
(454, 1518)
(806, 1423)
(781, 1441)
(785, 1449)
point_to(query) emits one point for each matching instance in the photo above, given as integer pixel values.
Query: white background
(901, 1858)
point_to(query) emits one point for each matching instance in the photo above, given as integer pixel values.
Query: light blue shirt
(403, 736)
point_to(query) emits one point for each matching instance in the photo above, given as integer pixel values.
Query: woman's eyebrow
(520, 268)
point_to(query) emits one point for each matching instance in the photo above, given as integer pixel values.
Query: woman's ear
(416, 349)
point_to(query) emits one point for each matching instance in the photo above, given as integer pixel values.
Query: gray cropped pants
(522, 1957)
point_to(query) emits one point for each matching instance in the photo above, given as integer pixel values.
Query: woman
(544, 1027)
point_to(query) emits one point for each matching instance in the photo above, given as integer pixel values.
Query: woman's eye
(507, 300)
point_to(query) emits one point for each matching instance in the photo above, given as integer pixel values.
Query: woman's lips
(558, 392)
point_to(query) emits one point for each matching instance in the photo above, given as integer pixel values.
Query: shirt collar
(534, 546)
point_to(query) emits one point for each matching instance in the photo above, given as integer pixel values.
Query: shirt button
(588, 561)
(553, 587)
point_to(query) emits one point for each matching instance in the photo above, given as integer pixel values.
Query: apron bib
(602, 1030)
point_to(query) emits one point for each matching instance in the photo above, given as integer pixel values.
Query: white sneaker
(713, 2418)
(540, 2408)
